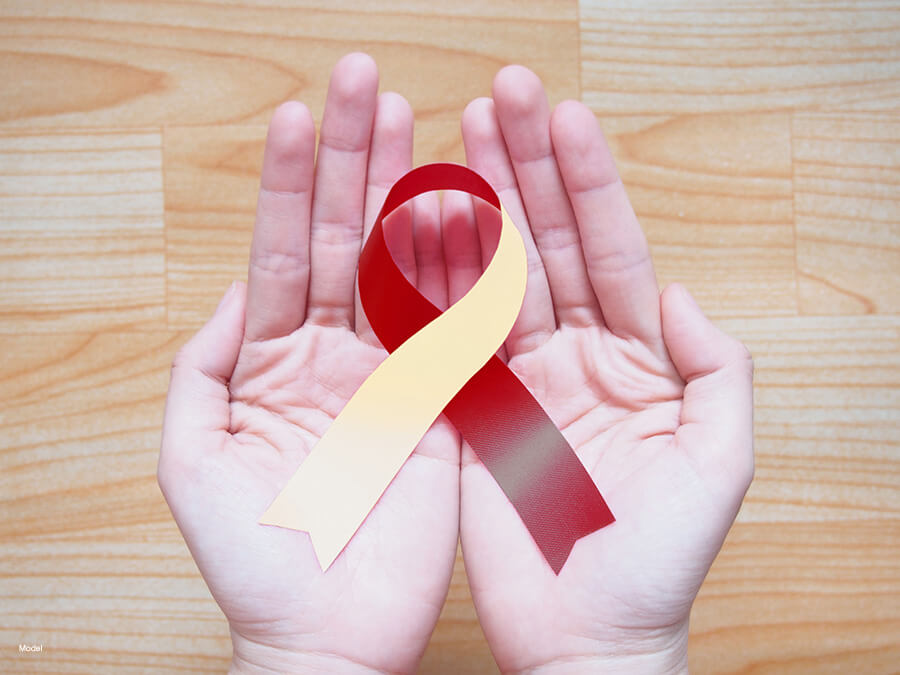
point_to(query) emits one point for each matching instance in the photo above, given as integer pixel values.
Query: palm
(284, 394)
(609, 359)
(619, 406)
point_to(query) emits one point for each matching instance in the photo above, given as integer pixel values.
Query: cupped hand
(257, 386)
(655, 400)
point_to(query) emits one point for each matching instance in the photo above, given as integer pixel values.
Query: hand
(656, 402)
(256, 387)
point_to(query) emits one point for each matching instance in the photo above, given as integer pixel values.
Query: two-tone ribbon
(441, 362)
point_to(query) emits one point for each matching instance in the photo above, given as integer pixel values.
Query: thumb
(717, 412)
(198, 399)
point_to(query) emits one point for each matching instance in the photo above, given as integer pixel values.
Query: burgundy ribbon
(506, 427)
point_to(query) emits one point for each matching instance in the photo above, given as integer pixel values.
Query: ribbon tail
(285, 512)
(531, 461)
(304, 505)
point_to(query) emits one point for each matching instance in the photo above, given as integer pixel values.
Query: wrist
(250, 657)
(661, 654)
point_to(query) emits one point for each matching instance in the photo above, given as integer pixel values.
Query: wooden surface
(760, 144)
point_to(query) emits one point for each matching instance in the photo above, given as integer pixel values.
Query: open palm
(257, 387)
(654, 399)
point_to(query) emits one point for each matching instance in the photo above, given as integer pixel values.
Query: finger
(340, 190)
(389, 158)
(524, 116)
(279, 256)
(486, 153)
(460, 243)
(431, 272)
(461, 240)
(717, 412)
(198, 403)
(398, 234)
(615, 250)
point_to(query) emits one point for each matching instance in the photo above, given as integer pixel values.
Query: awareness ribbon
(441, 362)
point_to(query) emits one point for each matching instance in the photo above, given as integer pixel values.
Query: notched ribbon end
(558, 547)
(281, 514)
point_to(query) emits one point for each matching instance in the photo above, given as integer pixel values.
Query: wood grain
(846, 200)
(81, 231)
(140, 62)
(654, 56)
(827, 428)
(714, 196)
(758, 143)
(794, 598)
(809, 579)
(91, 564)
(212, 177)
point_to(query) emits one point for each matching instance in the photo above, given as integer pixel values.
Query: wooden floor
(760, 144)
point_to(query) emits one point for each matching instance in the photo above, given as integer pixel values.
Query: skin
(655, 400)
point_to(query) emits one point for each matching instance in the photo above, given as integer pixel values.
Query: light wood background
(760, 143)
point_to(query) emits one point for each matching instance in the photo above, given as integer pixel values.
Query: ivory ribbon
(441, 362)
